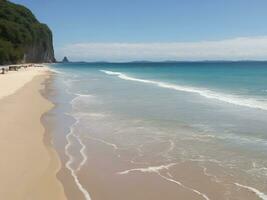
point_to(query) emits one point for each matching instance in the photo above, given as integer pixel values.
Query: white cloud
(243, 48)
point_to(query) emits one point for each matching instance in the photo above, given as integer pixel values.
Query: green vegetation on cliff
(22, 37)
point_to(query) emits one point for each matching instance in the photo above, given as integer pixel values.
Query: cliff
(22, 37)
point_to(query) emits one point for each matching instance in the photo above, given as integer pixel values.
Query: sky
(126, 30)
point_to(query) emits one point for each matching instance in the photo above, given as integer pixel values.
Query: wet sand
(57, 125)
(109, 174)
(28, 166)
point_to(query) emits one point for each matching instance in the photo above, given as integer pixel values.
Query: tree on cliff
(22, 37)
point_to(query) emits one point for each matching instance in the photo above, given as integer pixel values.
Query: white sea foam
(260, 194)
(242, 140)
(212, 176)
(204, 196)
(258, 170)
(157, 170)
(171, 147)
(169, 174)
(89, 115)
(83, 99)
(168, 150)
(71, 160)
(199, 137)
(84, 95)
(114, 146)
(54, 70)
(83, 153)
(205, 160)
(232, 99)
(148, 169)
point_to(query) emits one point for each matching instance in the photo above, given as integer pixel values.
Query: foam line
(260, 194)
(83, 153)
(172, 146)
(71, 160)
(157, 169)
(114, 146)
(182, 185)
(52, 69)
(240, 101)
(213, 177)
(148, 169)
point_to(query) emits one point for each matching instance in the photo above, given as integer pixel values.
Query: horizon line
(164, 61)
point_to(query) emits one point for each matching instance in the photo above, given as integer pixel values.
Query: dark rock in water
(22, 37)
(65, 60)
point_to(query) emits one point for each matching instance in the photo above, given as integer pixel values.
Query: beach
(140, 100)
(69, 133)
(79, 132)
(28, 164)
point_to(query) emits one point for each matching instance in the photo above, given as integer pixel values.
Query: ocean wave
(232, 99)
(260, 194)
(54, 70)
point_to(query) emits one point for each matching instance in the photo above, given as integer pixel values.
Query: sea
(186, 125)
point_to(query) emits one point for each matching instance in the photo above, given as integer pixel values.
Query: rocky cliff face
(41, 50)
(22, 37)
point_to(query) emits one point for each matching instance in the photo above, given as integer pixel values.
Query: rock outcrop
(22, 37)
(65, 60)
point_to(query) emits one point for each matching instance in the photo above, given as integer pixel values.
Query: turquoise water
(208, 113)
(229, 91)
(245, 79)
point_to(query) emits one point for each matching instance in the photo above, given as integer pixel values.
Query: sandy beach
(28, 166)
(93, 156)
(133, 100)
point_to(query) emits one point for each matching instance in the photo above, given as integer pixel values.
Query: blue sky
(122, 24)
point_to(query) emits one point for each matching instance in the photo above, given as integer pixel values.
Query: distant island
(65, 60)
(22, 37)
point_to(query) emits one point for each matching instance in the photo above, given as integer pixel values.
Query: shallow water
(208, 119)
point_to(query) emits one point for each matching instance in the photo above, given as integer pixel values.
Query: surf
(227, 98)
(260, 194)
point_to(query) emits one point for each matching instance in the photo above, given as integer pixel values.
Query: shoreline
(48, 153)
(29, 162)
(56, 131)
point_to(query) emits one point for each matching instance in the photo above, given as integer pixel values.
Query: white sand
(28, 166)
(14, 80)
